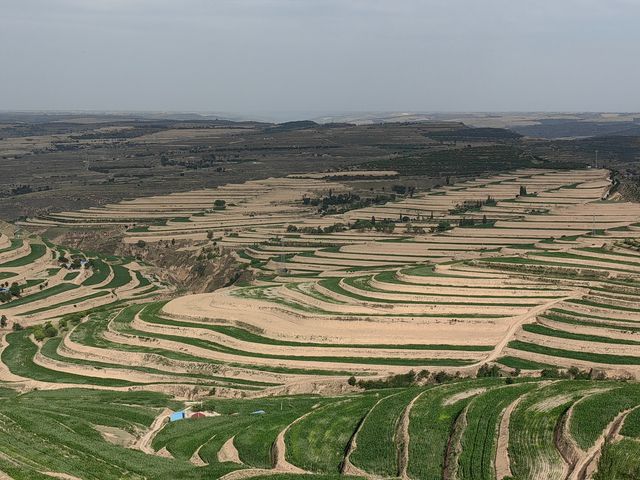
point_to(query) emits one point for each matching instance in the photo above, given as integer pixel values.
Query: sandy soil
(196, 459)
(229, 453)
(279, 450)
(502, 461)
(462, 395)
(404, 438)
(116, 436)
(144, 442)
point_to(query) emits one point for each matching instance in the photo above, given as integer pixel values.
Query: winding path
(404, 438)
(144, 442)
(589, 461)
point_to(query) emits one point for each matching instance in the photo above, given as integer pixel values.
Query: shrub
(394, 381)
(15, 290)
(38, 333)
(442, 377)
(550, 373)
(49, 330)
(443, 225)
(488, 371)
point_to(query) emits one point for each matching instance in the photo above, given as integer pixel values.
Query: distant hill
(557, 128)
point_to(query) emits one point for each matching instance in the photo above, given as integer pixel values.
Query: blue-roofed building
(175, 416)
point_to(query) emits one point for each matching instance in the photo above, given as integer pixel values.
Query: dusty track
(404, 438)
(531, 315)
(502, 462)
(144, 442)
(349, 468)
(454, 446)
(588, 463)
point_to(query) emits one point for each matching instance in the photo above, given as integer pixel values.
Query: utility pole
(596, 158)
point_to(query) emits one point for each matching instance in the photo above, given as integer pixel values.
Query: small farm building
(177, 416)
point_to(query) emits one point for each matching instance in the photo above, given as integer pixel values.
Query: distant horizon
(292, 116)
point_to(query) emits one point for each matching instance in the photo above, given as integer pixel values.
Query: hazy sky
(266, 56)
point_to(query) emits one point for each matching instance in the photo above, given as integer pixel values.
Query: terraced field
(49, 281)
(545, 277)
(304, 370)
(483, 428)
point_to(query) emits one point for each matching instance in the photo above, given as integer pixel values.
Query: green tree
(15, 289)
(443, 225)
(49, 330)
(38, 333)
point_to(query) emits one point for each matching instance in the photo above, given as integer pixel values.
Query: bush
(443, 226)
(15, 290)
(352, 380)
(141, 244)
(394, 381)
(17, 327)
(486, 371)
(442, 377)
(361, 224)
(550, 373)
(49, 330)
(38, 333)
